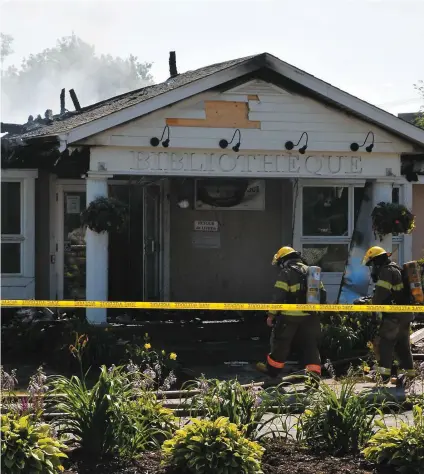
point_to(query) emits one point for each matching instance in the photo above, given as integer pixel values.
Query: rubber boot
(267, 369)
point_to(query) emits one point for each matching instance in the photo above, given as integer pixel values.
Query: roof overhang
(287, 74)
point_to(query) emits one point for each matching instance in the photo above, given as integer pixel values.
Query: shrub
(338, 421)
(218, 446)
(401, 447)
(338, 341)
(100, 418)
(29, 447)
(242, 406)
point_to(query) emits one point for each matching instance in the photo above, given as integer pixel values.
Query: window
(327, 223)
(11, 227)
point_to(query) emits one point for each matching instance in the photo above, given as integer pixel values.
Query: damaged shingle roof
(65, 123)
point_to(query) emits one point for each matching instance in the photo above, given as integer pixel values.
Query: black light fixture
(155, 141)
(290, 145)
(224, 143)
(355, 147)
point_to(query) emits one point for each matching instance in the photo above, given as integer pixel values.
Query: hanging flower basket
(390, 218)
(105, 215)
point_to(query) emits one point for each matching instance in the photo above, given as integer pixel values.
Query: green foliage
(72, 63)
(101, 419)
(401, 447)
(28, 447)
(243, 406)
(346, 335)
(5, 46)
(158, 365)
(392, 218)
(338, 341)
(419, 122)
(209, 447)
(105, 214)
(337, 420)
(162, 422)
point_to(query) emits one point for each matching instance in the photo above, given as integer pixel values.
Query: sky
(372, 49)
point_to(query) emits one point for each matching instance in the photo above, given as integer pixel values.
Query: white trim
(337, 96)
(7, 174)
(405, 242)
(327, 92)
(22, 284)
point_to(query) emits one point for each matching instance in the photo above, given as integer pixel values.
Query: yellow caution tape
(215, 306)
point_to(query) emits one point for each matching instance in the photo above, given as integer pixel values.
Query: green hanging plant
(391, 218)
(105, 214)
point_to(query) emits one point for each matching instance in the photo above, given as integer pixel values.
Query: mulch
(279, 458)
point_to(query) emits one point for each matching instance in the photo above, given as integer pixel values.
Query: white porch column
(382, 192)
(97, 256)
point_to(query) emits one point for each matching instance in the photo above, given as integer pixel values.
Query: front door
(151, 242)
(70, 245)
(144, 222)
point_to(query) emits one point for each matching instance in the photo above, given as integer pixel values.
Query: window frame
(26, 238)
(300, 240)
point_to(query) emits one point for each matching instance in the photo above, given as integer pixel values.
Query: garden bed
(279, 458)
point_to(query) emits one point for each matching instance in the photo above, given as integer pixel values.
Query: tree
(5, 46)
(420, 120)
(71, 64)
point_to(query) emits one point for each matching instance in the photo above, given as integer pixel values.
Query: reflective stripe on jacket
(389, 288)
(288, 287)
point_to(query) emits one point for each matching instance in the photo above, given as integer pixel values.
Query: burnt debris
(62, 102)
(172, 65)
(75, 100)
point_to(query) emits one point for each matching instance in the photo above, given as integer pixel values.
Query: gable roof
(70, 120)
(74, 126)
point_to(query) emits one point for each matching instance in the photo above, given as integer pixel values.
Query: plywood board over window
(219, 114)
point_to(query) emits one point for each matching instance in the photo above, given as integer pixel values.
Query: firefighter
(395, 327)
(291, 288)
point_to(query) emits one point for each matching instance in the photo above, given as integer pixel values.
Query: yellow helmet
(372, 253)
(283, 252)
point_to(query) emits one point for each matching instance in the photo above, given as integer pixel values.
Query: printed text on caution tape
(214, 306)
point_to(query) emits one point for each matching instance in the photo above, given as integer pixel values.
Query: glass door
(71, 247)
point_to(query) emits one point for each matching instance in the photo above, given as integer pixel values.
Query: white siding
(282, 116)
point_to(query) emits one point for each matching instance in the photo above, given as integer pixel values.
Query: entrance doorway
(134, 255)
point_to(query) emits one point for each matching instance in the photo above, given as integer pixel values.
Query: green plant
(401, 447)
(158, 366)
(116, 417)
(244, 406)
(337, 420)
(105, 214)
(28, 447)
(218, 446)
(338, 342)
(392, 218)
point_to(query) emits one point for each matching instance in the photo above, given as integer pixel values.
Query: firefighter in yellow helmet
(291, 288)
(395, 327)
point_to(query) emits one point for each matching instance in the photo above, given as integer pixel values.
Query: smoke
(72, 64)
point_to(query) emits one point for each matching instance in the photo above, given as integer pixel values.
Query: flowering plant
(159, 365)
(105, 215)
(391, 218)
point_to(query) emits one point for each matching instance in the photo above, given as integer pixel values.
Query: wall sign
(251, 165)
(73, 204)
(206, 226)
(206, 240)
(231, 164)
